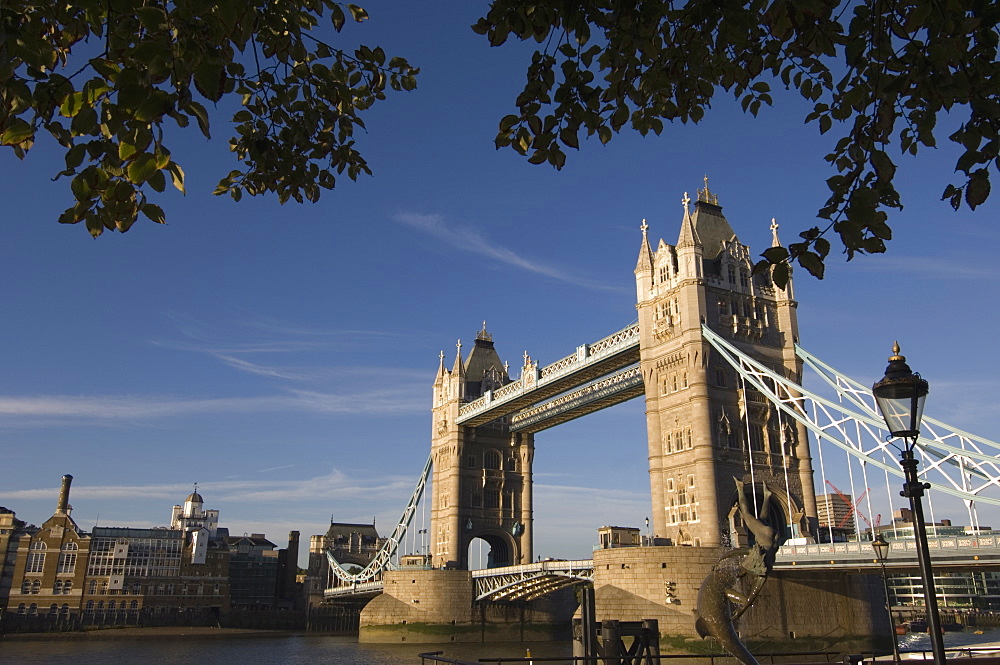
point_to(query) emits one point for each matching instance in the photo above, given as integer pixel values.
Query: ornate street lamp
(900, 397)
(881, 547)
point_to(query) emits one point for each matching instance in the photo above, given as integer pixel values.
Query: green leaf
(127, 151)
(779, 275)
(813, 263)
(978, 189)
(154, 213)
(157, 181)
(177, 175)
(775, 254)
(154, 106)
(72, 104)
(337, 17)
(152, 18)
(17, 132)
(569, 137)
(201, 115)
(140, 169)
(358, 13)
(210, 81)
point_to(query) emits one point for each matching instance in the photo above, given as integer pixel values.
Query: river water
(256, 648)
(314, 650)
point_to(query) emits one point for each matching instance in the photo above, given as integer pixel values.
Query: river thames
(257, 647)
(310, 650)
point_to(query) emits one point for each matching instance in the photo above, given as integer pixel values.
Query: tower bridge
(716, 355)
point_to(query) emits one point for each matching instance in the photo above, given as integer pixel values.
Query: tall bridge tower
(705, 426)
(481, 484)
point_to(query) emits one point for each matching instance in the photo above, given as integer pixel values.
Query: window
(36, 587)
(33, 609)
(64, 610)
(67, 563)
(134, 605)
(687, 438)
(720, 378)
(57, 588)
(67, 586)
(90, 606)
(744, 281)
(732, 275)
(93, 587)
(491, 499)
(36, 558)
(111, 605)
(53, 609)
(26, 587)
(491, 460)
(21, 608)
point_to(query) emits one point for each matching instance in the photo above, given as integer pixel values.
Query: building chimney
(63, 507)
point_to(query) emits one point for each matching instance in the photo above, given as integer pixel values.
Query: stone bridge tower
(704, 425)
(481, 483)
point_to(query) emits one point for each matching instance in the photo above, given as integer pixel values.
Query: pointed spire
(441, 364)
(774, 233)
(706, 196)
(459, 367)
(689, 236)
(645, 262)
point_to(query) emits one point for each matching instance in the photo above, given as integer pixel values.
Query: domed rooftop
(194, 497)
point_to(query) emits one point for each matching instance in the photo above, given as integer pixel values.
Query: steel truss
(954, 462)
(383, 558)
(613, 389)
(530, 581)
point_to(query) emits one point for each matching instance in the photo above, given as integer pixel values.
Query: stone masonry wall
(662, 583)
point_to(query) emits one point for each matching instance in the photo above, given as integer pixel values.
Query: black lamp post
(881, 547)
(900, 397)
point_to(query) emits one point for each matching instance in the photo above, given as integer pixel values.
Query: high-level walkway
(589, 363)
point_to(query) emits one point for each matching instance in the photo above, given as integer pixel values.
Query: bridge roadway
(590, 362)
(529, 581)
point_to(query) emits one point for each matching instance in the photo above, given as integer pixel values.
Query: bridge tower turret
(481, 482)
(704, 426)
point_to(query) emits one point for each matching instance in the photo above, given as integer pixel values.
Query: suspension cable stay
(955, 462)
(383, 558)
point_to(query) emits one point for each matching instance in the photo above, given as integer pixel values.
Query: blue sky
(282, 356)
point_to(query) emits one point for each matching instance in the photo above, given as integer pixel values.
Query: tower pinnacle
(774, 233)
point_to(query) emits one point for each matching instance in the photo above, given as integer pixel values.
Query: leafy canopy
(880, 73)
(110, 80)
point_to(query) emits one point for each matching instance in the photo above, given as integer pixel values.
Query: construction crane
(852, 507)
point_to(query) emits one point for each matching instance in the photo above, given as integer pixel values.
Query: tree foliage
(111, 80)
(880, 73)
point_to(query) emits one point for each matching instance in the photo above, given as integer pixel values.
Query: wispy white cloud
(404, 399)
(333, 485)
(275, 468)
(926, 267)
(468, 240)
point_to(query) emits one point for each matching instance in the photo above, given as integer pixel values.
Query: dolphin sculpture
(717, 597)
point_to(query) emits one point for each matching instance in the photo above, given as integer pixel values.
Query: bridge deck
(590, 362)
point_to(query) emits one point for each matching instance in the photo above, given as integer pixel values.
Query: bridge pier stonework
(797, 610)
